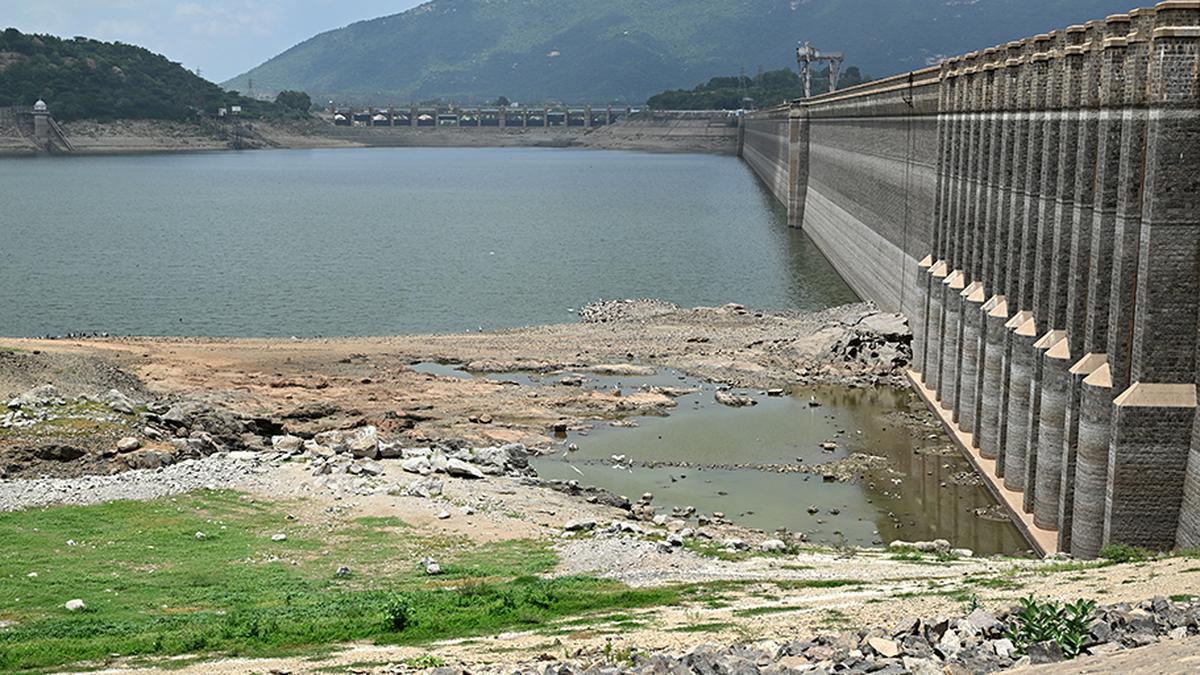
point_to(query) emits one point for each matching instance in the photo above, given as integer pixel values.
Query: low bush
(1124, 553)
(1051, 621)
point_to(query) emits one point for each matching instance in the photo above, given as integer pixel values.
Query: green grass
(767, 609)
(995, 583)
(152, 589)
(710, 627)
(1124, 553)
(835, 619)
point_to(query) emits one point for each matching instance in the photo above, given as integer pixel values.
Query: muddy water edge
(841, 465)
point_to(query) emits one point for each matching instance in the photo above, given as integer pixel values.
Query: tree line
(759, 91)
(81, 78)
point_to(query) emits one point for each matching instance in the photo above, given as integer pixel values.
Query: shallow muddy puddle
(745, 462)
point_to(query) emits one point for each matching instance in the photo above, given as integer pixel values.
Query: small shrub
(424, 662)
(1124, 553)
(1051, 621)
(397, 613)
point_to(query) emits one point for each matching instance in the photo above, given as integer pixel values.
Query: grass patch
(713, 550)
(834, 619)
(766, 609)
(996, 583)
(710, 627)
(1118, 554)
(153, 589)
(1071, 566)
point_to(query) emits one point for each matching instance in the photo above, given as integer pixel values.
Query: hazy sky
(222, 38)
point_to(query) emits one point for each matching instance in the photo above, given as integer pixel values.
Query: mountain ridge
(626, 50)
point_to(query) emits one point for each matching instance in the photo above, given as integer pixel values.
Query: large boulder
(58, 452)
(419, 465)
(287, 443)
(149, 459)
(460, 469)
(47, 394)
(364, 442)
(224, 427)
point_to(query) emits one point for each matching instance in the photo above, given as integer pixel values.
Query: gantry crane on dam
(806, 55)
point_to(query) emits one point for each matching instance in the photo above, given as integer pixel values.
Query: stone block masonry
(1034, 209)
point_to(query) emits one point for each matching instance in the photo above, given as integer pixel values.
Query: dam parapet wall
(1033, 208)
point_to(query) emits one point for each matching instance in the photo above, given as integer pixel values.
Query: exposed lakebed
(793, 460)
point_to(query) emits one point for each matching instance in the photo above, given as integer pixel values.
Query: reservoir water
(386, 240)
(396, 241)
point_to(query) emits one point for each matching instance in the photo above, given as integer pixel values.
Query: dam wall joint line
(1031, 208)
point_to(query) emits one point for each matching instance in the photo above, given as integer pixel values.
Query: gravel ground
(214, 473)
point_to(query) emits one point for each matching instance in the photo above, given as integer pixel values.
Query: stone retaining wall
(1033, 208)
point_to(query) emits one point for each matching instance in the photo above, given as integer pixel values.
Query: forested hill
(763, 90)
(626, 50)
(82, 78)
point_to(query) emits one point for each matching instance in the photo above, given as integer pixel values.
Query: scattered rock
(428, 488)
(1044, 652)
(75, 605)
(733, 400)
(461, 469)
(884, 647)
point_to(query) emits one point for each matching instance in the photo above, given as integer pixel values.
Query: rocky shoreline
(978, 643)
(151, 137)
(352, 428)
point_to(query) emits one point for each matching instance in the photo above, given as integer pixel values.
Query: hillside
(88, 79)
(627, 50)
(763, 90)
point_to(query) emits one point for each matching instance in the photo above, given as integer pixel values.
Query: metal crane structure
(806, 55)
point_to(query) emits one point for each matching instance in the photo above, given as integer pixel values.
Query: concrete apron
(1043, 542)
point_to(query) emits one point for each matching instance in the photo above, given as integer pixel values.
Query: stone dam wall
(1034, 210)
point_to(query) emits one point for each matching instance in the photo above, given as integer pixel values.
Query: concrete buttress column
(1127, 217)
(961, 256)
(933, 369)
(1079, 373)
(1021, 367)
(1091, 255)
(921, 360)
(1056, 366)
(1022, 361)
(974, 296)
(925, 285)
(991, 424)
(1043, 203)
(1053, 385)
(949, 232)
(1091, 464)
(1153, 418)
(990, 397)
(992, 270)
(947, 326)
(798, 133)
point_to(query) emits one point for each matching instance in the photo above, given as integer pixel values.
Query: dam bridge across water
(1033, 209)
(503, 117)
